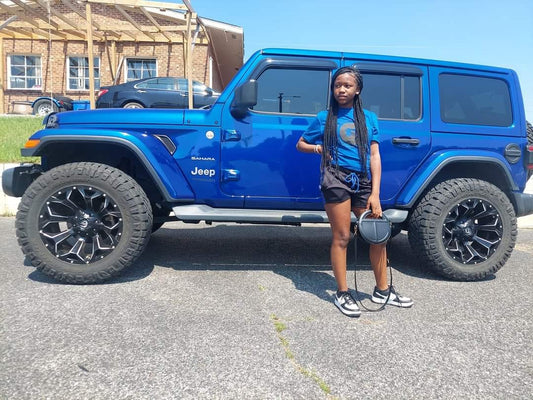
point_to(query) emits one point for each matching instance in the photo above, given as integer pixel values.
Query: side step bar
(202, 212)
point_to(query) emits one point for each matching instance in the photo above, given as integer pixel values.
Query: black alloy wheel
(472, 231)
(83, 222)
(80, 224)
(463, 228)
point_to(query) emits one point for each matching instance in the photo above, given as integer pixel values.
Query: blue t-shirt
(347, 150)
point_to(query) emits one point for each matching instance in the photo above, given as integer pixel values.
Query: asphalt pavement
(246, 312)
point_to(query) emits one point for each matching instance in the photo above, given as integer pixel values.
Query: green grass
(14, 131)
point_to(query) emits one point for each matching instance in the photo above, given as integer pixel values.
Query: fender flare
(166, 184)
(410, 194)
(48, 98)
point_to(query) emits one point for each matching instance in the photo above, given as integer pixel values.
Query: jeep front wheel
(465, 229)
(83, 222)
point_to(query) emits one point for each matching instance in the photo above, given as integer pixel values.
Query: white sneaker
(396, 299)
(346, 304)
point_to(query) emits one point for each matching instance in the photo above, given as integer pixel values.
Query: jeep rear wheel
(465, 229)
(83, 222)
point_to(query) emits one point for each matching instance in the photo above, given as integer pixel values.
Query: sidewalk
(8, 205)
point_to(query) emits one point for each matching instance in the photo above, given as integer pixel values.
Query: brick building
(44, 46)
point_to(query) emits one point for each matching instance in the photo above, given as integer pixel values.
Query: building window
(78, 73)
(138, 68)
(24, 72)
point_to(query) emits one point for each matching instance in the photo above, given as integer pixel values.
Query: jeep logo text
(206, 172)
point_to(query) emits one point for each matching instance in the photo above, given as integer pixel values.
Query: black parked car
(164, 92)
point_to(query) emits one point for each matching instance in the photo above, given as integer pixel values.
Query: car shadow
(298, 253)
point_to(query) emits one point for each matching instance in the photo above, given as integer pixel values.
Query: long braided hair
(330, 149)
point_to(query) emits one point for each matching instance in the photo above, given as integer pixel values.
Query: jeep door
(397, 93)
(259, 160)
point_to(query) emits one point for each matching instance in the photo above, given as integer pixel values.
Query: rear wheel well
(483, 170)
(114, 155)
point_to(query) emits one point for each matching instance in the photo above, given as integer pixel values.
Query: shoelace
(353, 180)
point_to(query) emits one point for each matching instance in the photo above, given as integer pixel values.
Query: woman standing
(347, 137)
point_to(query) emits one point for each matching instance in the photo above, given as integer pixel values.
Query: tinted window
(392, 96)
(474, 100)
(197, 87)
(292, 91)
(158, 83)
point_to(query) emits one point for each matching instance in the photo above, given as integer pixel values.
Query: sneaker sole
(352, 314)
(392, 303)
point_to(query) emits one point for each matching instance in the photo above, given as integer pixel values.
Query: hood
(119, 117)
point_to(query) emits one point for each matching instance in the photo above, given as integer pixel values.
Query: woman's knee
(341, 238)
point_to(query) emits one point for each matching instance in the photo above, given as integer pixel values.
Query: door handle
(231, 135)
(230, 175)
(404, 140)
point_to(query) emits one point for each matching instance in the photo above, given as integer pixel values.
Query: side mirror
(245, 97)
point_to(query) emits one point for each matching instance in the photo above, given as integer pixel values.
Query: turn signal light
(31, 143)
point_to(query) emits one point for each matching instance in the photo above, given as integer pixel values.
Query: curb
(8, 205)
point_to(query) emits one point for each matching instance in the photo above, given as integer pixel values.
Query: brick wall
(170, 57)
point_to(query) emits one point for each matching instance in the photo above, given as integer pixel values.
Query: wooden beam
(8, 21)
(111, 32)
(2, 75)
(189, 61)
(89, 15)
(132, 21)
(155, 23)
(36, 14)
(20, 33)
(142, 3)
(60, 16)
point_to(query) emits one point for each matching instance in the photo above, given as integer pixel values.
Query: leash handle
(357, 295)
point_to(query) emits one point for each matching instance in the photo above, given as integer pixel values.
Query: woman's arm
(374, 203)
(305, 147)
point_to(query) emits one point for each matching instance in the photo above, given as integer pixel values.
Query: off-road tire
(464, 229)
(82, 196)
(529, 129)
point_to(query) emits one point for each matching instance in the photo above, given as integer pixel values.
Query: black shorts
(336, 186)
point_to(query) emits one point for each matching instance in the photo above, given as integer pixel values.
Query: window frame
(126, 68)
(402, 71)
(85, 70)
(293, 63)
(470, 122)
(38, 78)
(506, 75)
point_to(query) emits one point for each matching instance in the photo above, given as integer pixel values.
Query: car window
(392, 96)
(474, 100)
(158, 84)
(292, 90)
(198, 87)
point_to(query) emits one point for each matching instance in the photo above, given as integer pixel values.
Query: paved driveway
(245, 312)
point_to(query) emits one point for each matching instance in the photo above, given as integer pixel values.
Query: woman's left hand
(374, 205)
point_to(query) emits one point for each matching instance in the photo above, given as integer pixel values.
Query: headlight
(51, 121)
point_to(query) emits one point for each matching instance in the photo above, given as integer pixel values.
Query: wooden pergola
(141, 21)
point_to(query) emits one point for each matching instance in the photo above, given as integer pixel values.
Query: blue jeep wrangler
(455, 151)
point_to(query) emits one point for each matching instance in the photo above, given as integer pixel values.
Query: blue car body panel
(251, 162)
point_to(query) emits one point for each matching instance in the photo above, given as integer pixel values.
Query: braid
(361, 139)
(330, 137)
(330, 149)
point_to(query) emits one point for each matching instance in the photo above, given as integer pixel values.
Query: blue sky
(487, 32)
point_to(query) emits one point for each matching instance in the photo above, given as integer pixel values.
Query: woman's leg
(339, 215)
(378, 258)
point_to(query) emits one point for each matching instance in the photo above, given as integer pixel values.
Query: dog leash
(357, 294)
